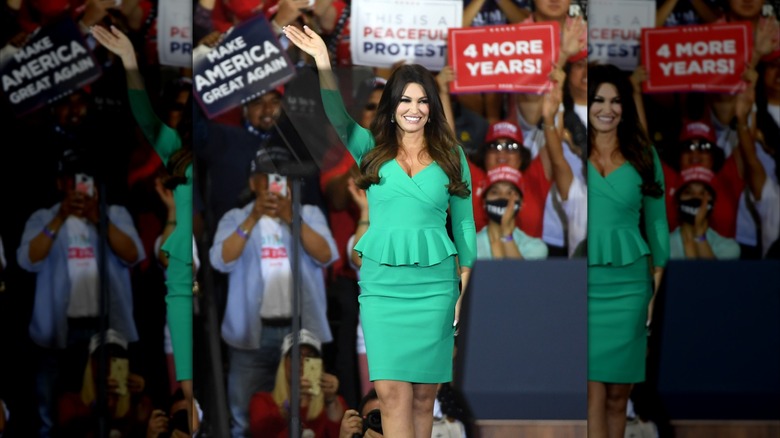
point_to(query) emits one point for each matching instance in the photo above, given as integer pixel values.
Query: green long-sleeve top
(615, 203)
(178, 246)
(407, 214)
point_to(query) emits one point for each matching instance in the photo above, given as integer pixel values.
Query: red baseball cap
(504, 129)
(696, 174)
(505, 174)
(697, 129)
(578, 56)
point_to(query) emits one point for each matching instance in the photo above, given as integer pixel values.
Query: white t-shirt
(82, 270)
(277, 274)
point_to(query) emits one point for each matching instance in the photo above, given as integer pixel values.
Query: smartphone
(277, 184)
(120, 369)
(312, 370)
(85, 184)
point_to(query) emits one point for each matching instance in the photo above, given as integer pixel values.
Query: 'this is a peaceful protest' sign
(709, 58)
(51, 65)
(388, 31)
(249, 62)
(513, 58)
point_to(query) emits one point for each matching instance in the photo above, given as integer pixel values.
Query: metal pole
(102, 372)
(295, 401)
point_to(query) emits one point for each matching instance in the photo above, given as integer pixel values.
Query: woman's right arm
(163, 138)
(357, 139)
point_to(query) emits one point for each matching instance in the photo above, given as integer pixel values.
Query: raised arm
(163, 138)
(311, 43)
(754, 173)
(357, 139)
(561, 171)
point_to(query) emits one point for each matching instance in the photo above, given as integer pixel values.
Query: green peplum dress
(408, 278)
(166, 141)
(619, 274)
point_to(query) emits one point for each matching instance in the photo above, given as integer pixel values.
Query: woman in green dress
(175, 150)
(414, 174)
(625, 189)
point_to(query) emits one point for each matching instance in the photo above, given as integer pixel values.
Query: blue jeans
(251, 371)
(59, 371)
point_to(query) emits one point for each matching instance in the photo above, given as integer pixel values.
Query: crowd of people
(104, 190)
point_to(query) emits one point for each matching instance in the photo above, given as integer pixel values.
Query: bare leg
(597, 414)
(395, 403)
(617, 401)
(424, 396)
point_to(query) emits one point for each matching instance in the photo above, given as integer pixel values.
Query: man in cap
(252, 246)
(60, 246)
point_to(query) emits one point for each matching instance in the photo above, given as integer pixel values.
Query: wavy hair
(633, 141)
(440, 141)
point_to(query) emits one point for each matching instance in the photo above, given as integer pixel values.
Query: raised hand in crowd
(638, 76)
(767, 39)
(572, 41)
(443, 79)
(754, 172)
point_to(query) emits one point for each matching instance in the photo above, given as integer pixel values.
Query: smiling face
(606, 109)
(263, 112)
(412, 111)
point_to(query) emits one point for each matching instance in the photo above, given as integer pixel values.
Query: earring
(392, 118)
(429, 120)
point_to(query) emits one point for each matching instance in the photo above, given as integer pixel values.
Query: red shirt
(535, 188)
(342, 222)
(266, 419)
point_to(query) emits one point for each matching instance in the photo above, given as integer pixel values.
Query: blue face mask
(496, 208)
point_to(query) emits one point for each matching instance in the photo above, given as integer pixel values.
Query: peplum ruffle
(615, 246)
(401, 246)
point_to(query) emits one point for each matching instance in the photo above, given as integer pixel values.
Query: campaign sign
(710, 58)
(614, 30)
(247, 63)
(504, 58)
(387, 31)
(55, 62)
(174, 33)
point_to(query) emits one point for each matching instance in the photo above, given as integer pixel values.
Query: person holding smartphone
(252, 245)
(321, 408)
(59, 245)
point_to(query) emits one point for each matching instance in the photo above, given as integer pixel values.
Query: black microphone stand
(295, 172)
(105, 308)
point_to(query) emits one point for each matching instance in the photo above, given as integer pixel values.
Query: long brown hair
(180, 160)
(439, 139)
(633, 141)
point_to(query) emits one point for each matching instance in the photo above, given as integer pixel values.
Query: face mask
(496, 208)
(689, 208)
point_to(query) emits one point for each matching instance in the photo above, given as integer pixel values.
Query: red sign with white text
(513, 58)
(709, 58)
